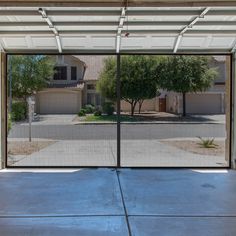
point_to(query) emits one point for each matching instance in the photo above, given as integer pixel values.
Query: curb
(148, 123)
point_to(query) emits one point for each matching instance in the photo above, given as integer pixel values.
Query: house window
(73, 73)
(90, 98)
(219, 83)
(98, 99)
(60, 73)
(91, 86)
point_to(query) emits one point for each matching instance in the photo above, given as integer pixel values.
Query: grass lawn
(113, 118)
(144, 116)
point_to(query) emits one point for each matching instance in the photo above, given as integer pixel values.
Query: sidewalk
(103, 153)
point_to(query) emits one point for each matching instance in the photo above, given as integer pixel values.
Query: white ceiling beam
(52, 27)
(119, 29)
(189, 26)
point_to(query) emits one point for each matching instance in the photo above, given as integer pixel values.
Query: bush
(97, 113)
(82, 112)
(19, 110)
(108, 108)
(89, 109)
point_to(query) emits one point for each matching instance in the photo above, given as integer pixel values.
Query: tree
(137, 78)
(184, 74)
(29, 73)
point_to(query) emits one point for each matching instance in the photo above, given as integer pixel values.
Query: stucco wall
(148, 105)
(197, 103)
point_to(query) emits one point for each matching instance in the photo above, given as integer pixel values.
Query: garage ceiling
(206, 29)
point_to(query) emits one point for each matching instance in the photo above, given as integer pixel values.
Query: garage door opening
(80, 117)
(69, 124)
(189, 133)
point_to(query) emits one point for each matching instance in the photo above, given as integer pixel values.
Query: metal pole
(3, 112)
(29, 116)
(10, 85)
(30, 130)
(118, 107)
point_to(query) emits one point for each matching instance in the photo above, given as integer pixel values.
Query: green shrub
(82, 112)
(108, 108)
(89, 109)
(97, 113)
(9, 123)
(207, 143)
(19, 110)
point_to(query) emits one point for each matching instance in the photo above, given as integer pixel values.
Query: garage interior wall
(228, 104)
(1, 166)
(233, 121)
(2, 110)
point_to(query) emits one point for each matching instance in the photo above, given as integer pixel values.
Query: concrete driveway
(220, 118)
(122, 202)
(59, 119)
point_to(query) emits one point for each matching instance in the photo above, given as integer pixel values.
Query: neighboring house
(211, 101)
(64, 93)
(94, 66)
(74, 85)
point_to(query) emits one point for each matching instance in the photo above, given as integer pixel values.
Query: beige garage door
(58, 103)
(203, 103)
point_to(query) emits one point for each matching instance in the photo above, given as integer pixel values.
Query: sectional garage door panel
(204, 103)
(59, 103)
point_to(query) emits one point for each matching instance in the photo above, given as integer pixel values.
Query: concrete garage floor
(140, 202)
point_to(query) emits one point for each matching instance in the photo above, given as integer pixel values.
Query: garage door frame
(232, 112)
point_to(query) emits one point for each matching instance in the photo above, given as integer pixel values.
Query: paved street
(128, 131)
